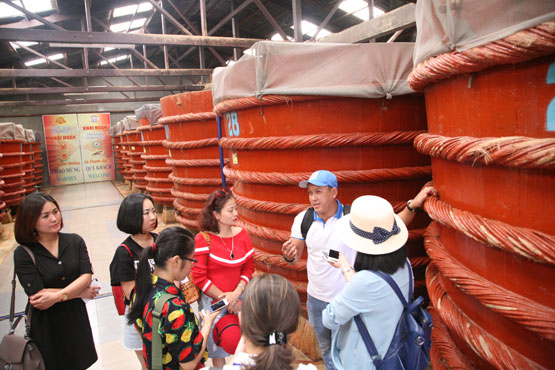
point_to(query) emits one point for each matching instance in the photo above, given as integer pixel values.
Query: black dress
(62, 332)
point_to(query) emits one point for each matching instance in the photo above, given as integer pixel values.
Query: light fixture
(91, 46)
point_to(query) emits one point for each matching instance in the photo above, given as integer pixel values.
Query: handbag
(410, 346)
(189, 289)
(17, 352)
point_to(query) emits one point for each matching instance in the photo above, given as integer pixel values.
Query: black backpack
(308, 219)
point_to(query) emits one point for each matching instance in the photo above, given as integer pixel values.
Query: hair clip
(276, 337)
(153, 247)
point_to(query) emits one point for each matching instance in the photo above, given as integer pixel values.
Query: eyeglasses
(190, 259)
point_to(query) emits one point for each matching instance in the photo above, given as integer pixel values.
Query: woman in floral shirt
(183, 342)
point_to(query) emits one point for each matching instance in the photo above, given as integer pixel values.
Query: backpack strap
(129, 250)
(156, 358)
(376, 359)
(308, 219)
(206, 237)
(388, 279)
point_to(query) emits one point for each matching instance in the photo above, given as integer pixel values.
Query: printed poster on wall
(61, 132)
(96, 146)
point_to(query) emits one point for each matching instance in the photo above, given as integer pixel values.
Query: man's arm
(417, 203)
(292, 250)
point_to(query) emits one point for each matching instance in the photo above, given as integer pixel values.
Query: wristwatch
(410, 208)
(346, 270)
(64, 296)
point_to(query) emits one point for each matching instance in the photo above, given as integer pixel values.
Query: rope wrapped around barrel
(158, 190)
(153, 143)
(195, 181)
(187, 117)
(157, 169)
(511, 151)
(486, 346)
(528, 243)
(189, 196)
(524, 311)
(445, 354)
(348, 176)
(155, 157)
(242, 103)
(191, 144)
(320, 140)
(519, 47)
(194, 162)
(12, 176)
(158, 179)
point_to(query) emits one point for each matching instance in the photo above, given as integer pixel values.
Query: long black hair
(173, 241)
(388, 263)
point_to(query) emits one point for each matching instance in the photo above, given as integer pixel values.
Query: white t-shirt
(324, 280)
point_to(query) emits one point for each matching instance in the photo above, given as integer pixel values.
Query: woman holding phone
(183, 342)
(225, 260)
(137, 217)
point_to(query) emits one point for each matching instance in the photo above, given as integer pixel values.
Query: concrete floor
(89, 210)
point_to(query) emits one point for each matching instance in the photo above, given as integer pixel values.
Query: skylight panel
(24, 43)
(310, 28)
(277, 37)
(120, 27)
(114, 59)
(34, 6)
(131, 9)
(359, 8)
(43, 60)
(138, 23)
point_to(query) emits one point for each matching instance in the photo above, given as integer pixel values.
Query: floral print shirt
(181, 337)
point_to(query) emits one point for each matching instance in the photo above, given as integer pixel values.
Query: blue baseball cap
(320, 178)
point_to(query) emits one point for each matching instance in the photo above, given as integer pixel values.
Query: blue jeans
(314, 308)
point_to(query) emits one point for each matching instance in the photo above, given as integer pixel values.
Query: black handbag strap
(14, 322)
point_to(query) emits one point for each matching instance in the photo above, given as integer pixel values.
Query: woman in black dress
(55, 284)
(136, 216)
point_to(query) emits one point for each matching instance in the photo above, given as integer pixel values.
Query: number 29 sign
(232, 124)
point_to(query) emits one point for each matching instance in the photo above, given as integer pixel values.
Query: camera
(333, 255)
(217, 306)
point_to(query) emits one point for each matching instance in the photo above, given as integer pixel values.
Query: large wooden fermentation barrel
(192, 139)
(155, 154)
(135, 152)
(492, 245)
(28, 168)
(39, 166)
(2, 203)
(125, 157)
(275, 142)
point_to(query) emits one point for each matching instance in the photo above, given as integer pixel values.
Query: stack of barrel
(192, 138)
(37, 157)
(2, 203)
(491, 119)
(29, 162)
(135, 151)
(126, 148)
(119, 152)
(12, 138)
(155, 154)
(115, 146)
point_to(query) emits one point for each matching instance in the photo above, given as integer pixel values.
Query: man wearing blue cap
(315, 228)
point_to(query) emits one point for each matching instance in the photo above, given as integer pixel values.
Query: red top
(215, 265)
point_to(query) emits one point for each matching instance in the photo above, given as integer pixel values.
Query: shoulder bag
(17, 352)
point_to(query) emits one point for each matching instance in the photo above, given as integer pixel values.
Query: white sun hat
(372, 227)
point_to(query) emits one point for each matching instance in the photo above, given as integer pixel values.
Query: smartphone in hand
(332, 256)
(217, 306)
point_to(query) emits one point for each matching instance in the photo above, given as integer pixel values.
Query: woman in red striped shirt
(225, 260)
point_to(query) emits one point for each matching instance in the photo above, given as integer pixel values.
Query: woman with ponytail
(269, 314)
(183, 342)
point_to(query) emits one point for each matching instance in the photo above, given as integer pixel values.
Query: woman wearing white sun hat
(379, 237)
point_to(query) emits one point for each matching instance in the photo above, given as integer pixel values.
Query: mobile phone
(217, 306)
(332, 256)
